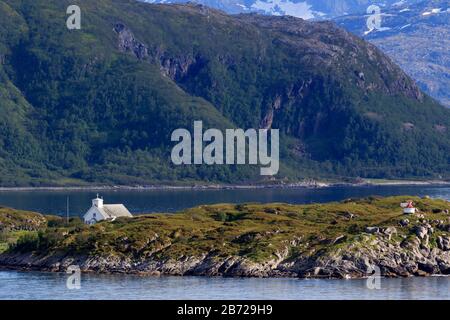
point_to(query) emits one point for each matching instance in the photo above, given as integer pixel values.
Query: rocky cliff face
(173, 67)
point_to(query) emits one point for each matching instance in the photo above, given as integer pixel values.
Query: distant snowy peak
(295, 8)
(400, 17)
(305, 9)
(416, 37)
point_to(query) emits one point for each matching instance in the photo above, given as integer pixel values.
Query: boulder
(420, 231)
(427, 267)
(443, 243)
(389, 230)
(372, 230)
(444, 267)
(349, 215)
(444, 227)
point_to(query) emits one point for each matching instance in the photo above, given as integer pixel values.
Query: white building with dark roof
(100, 211)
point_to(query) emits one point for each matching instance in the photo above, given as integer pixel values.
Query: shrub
(27, 242)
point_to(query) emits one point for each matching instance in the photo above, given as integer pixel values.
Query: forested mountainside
(412, 32)
(98, 105)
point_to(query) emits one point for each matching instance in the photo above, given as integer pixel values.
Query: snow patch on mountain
(376, 30)
(399, 3)
(306, 9)
(285, 7)
(433, 11)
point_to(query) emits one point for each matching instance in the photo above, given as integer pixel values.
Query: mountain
(416, 27)
(98, 105)
(416, 37)
(309, 9)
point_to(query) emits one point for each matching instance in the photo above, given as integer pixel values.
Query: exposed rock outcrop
(410, 257)
(173, 67)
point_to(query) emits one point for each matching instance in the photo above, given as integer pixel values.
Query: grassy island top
(255, 231)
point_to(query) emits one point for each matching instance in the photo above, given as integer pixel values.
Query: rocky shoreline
(360, 259)
(301, 184)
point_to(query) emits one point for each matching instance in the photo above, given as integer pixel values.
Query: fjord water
(173, 200)
(42, 285)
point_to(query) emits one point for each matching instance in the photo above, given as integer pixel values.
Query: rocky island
(343, 239)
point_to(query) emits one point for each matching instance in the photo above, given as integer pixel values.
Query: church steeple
(97, 202)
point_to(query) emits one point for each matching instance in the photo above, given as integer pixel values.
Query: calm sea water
(150, 201)
(40, 285)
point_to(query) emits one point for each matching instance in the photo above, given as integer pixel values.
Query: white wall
(92, 216)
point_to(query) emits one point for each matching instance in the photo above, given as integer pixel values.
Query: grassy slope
(255, 231)
(15, 224)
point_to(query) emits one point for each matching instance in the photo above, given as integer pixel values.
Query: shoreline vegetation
(311, 183)
(340, 240)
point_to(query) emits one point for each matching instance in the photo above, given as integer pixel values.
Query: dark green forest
(98, 105)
